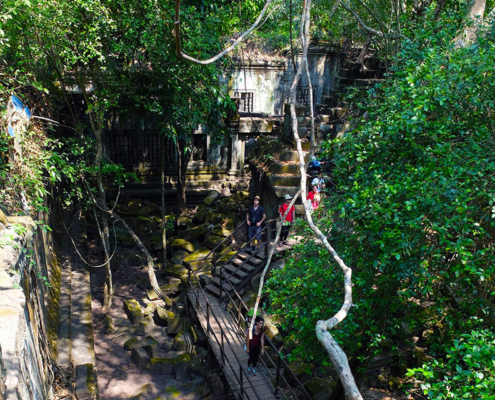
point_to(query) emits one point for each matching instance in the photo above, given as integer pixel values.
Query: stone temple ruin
(261, 90)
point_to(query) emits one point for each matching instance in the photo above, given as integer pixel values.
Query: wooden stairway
(237, 272)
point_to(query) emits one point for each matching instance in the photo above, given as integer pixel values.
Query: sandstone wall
(29, 292)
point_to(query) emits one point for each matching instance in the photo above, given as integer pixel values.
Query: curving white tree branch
(323, 327)
(223, 52)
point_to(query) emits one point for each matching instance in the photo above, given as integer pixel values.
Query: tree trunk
(97, 128)
(164, 221)
(323, 327)
(151, 266)
(104, 232)
(362, 54)
(183, 159)
(472, 21)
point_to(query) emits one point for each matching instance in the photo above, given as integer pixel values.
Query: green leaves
(467, 369)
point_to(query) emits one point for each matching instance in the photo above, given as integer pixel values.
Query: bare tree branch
(151, 265)
(268, 262)
(223, 52)
(337, 356)
(368, 29)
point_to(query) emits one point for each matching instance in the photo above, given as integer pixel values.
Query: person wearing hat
(289, 219)
(254, 218)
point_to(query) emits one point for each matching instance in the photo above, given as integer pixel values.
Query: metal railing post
(278, 374)
(239, 317)
(223, 353)
(214, 265)
(241, 374)
(221, 286)
(208, 317)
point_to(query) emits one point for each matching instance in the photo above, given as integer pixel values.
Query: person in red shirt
(315, 197)
(287, 222)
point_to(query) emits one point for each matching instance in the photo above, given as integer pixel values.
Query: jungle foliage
(413, 214)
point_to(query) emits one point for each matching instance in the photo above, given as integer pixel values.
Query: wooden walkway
(222, 332)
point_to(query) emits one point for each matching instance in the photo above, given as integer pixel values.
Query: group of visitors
(317, 183)
(256, 216)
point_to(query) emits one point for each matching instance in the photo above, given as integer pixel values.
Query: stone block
(182, 373)
(200, 215)
(142, 393)
(184, 220)
(167, 363)
(130, 343)
(150, 309)
(213, 217)
(149, 344)
(162, 365)
(221, 232)
(199, 392)
(162, 316)
(133, 311)
(194, 233)
(151, 294)
(184, 342)
(178, 257)
(175, 270)
(212, 241)
(171, 288)
(140, 357)
(146, 325)
(198, 259)
(303, 371)
(210, 199)
(176, 325)
(86, 382)
(215, 382)
(199, 336)
(319, 388)
(181, 244)
(171, 393)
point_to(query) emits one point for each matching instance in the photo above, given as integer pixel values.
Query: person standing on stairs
(315, 197)
(314, 166)
(287, 222)
(255, 217)
(256, 344)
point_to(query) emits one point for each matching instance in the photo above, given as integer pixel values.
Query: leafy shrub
(467, 371)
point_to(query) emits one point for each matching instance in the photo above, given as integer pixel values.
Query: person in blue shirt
(314, 165)
(254, 218)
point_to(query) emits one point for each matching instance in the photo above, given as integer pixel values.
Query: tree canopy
(413, 213)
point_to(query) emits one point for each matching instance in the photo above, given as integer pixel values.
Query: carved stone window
(246, 101)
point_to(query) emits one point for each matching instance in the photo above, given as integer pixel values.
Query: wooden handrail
(209, 330)
(280, 357)
(241, 306)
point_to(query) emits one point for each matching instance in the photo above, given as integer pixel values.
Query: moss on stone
(130, 343)
(133, 311)
(183, 244)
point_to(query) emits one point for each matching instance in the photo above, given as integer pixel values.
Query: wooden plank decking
(259, 386)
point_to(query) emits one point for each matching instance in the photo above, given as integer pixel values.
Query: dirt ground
(118, 376)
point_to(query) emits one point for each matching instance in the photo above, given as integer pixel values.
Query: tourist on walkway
(314, 165)
(314, 197)
(287, 222)
(319, 182)
(255, 217)
(256, 344)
